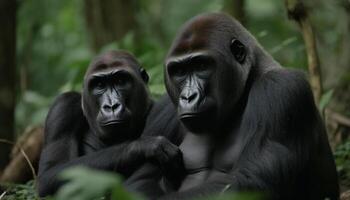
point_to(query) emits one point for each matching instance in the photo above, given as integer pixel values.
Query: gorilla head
(207, 69)
(115, 98)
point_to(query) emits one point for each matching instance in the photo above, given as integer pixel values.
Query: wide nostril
(106, 107)
(189, 97)
(109, 108)
(115, 106)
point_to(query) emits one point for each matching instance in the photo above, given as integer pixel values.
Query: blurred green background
(56, 40)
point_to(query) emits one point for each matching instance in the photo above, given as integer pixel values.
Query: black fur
(76, 136)
(262, 130)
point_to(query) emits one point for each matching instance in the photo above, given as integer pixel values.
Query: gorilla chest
(203, 157)
(205, 160)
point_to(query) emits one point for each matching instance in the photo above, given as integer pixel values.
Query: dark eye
(202, 67)
(238, 50)
(100, 85)
(203, 70)
(178, 71)
(122, 81)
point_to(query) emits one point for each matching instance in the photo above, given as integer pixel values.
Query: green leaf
(236, 196)
(87, 184)
(325, 99)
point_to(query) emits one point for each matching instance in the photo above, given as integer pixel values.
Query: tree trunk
(346, 44)
(108, 20)
(297, 11)
(7, 76)
(236, 9)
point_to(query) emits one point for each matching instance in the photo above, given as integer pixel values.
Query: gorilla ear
(238, 50)
(144, 75)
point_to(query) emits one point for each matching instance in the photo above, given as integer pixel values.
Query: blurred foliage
(53, 48)
(342, 160)
(268, 22)
(88, 184)
(52, 55)
(325, 99)
(19, 191)
(235, 196)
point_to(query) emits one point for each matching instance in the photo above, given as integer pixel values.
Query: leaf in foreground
(87, 184)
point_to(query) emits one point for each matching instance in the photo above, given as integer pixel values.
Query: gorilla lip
(113, 122)
(189, 115)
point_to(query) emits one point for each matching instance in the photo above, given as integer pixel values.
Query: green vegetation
(54, 49)
(19, 191)
(88, 184)
(342, 160)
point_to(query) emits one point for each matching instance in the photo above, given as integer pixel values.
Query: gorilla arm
(162, 121)
(64, 128)
(287, 152)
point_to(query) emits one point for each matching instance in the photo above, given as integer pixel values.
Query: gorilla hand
(161, 151)
(167, 156)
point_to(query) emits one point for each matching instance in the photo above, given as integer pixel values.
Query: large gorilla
(101, 127)
(249, 123)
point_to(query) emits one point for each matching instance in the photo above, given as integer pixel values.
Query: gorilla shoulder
(64, 113)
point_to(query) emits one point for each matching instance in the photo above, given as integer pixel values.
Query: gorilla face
(206, 73)
(115, 98)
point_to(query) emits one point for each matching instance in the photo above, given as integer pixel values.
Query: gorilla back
(250, 124)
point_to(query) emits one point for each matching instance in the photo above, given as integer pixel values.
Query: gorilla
(101, 127)
(248, 124)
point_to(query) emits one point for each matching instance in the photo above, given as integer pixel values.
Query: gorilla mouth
(113, 122)
(189, 115)
(195, 122)
(194, 115)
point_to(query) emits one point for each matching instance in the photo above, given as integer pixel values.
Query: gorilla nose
(189, 96)
(110, 107)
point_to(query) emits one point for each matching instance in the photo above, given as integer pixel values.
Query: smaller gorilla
(101, 127)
